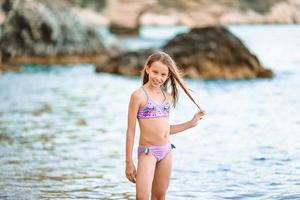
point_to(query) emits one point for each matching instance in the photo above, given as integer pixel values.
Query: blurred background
(68, 68)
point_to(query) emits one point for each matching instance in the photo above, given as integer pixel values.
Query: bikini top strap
(145, 93)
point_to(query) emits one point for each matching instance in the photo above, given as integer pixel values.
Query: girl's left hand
(197, 117)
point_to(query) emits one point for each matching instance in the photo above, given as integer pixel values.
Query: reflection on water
(62, 133)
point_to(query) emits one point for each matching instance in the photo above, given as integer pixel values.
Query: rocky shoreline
(47, 32)
(125, 17)
(131, 14)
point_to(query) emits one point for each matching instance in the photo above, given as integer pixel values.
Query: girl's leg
(145, 173)
(162, 177)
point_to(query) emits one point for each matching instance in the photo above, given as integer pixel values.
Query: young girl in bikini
(151, 104)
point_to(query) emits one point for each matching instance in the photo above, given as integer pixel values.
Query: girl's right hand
(130, 172)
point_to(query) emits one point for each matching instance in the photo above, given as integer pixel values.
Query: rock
(282, 12)
(81, 122)
(120, 30)
(205, 53)
(168, 18)
(2, 17)
(4, 67)
(202, 19)
(129, 63)
(286, 12)
(215, 53)
(44, 109)
(124, 15)
(90, 16)
(238, 17)
(205, 13)
(47, 28)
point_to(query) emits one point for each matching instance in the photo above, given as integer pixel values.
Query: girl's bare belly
(154, 131)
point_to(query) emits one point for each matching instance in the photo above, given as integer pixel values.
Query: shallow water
(62, 130)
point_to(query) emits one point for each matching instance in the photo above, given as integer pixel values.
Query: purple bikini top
(153, 110)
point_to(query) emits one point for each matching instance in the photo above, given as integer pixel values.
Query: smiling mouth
(157, 82)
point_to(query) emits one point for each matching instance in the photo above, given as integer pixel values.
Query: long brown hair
(174, 75)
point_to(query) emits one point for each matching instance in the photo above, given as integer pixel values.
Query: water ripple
(62, 134)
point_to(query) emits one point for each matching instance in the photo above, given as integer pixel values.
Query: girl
(151, 104)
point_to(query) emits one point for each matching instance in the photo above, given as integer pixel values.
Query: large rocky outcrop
(214, 52)
(126, 16)
(44, 31)
(205, 53)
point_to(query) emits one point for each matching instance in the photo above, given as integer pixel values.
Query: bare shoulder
(137, 96)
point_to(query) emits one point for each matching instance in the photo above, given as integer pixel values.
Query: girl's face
(158, 74)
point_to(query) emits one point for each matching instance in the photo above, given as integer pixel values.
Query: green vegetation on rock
(94, 4)
(257, 5)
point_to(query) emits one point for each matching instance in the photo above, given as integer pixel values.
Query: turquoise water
(62, 129)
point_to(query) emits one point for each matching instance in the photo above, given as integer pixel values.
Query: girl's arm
(132, 112)
(186, 125)
(180, 127)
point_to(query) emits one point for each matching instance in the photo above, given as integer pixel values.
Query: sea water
(62, 128)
